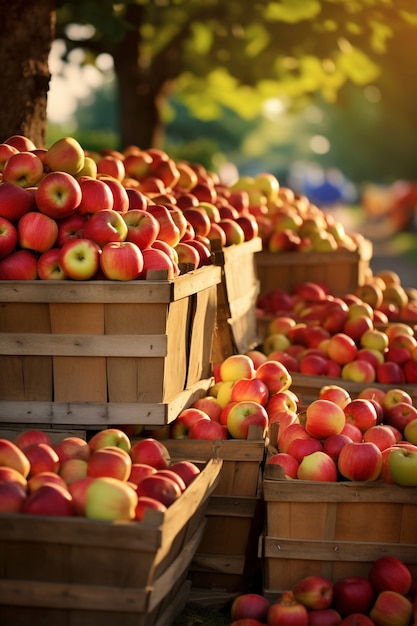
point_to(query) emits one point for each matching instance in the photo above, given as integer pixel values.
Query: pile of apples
(385, 597)
(66, 213)
(107, 478)
(346, 337)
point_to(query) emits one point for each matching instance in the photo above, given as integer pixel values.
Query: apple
(410, 370)
(374, 357)
(207, 429)
(301, 447)
(120, 197)
(287, 611)
(95, 196)
(58, 195)
(390, 373)
(394, 396)
(359, 371)
(110, 499)
(313, 365)
(275, 375)
(42, 478)
(250, 605)
(187, 255)
(336, 394)
(315, 592)
(19, 265)
(150, 451)
(362, 413)
(235, 234)
(360, 461)
(171, 252)
(142, 227)
(109, 437)
(282, 401)
(186, 469)
(353, 594)
(210, 406)
(324, 617)
(154, 259)
(357, 619)
(283, 418)
(24, 169)
(121, 260)
(402, 467)
(48, 267)
(109, 461)
(42, 458)
(410, 431)
(199, 220)
(390, 573)
(8, 237)
(236, 366)
(381, 435)
(11, 475)
(294, 430)
(105, 226)
(36, 231)
(324, 418)
(78, 491)
(253, 389)
(168, 230)
(391, 609)
(161, 488)
(14, 201)
(71, 227)
(333, 444)
(399, 415)
(26, 438)
(12, 497)
(275, 342)
(317, 466)
(80, 259)
(66, 155)
(49, 499)
(203, 249)
(145, 503)
(341, 348)
(137, 164)
(88, 169)
(111, 165)
(139, 471)
(355, 326)
(72, 447)
(72, 470)
(6, 151)
(288, 463)
(244, 414)
(180, 427)
(137, 199)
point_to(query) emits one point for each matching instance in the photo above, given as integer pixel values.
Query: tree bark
(27, 30)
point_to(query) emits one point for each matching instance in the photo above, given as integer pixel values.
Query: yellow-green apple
(315, 592)
(391, 609)
(137, 199)
(395, 294)
(58, 195)
(162, 488)
(335, 393)
(109, 437)
(353, 595)
(121, 260)
(42, 458)
(360, 308)
(235, 234)
(24, 169)
(236, 366)
(381, 435)
(88, 169)
(317, 466)
(48, 266)
(12, 497)
(80, 258)
(294, 430)
(410, 431)
(186, 469)
(361, 412)
(105, 226)
(26, 438)
(36, 231)
(390, 573)
(181, 425)
(65, 155)
(168, 230)
(209, 405)
(288, 463)
(374, 339)
(154, 259)
(244, 414)
(390, 373)
(394, 396)
(120, 197)
(400, 415)
(143, 227)
(78, 491)
(146, 503)
(111, 166)
(360, 461)
(207, 429)
(49, 499)
(109, 461)
(287, 610)
(281, 401)
(110, 499)
(72, 447)
(402, 466)
(324, 418)
(371, 293)
(71, 227)
(275, 375)
(275, 342)
(95, 196)
(150, 451)
(15, 201)
(19, 265)
(8, 237)
(326, 617)
(301, 447)
(334, 443)
(250, 389)
(187, 255)
(249, 606)
(42, 478)
(341, 348)
(73, 469)
(359, 371)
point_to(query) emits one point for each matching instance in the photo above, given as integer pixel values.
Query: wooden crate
(237, 293)
(307, 387)
(100, 353)
(342, 271)
(333, 529)
(227, 556)
(78, 572)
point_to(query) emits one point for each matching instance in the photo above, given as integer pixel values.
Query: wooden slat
(231, 506)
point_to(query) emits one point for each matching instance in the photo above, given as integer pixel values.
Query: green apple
(402, 465)
(410, 431)
(110, 499)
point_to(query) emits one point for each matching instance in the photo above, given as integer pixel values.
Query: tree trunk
(26, 34)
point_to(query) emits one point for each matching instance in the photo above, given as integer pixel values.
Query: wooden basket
(342, 271)
(227, 556)
(237, 293)
(78, 572)
(100, 353)
(333, 529)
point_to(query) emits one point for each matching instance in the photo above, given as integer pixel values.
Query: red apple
(391, 609)
(106, 226)
(65, 155)
(324, 617)
(287, 612)
(315, 592)
(210, 406)
(80, 259)
(333, 444)
(324, 418)
(275, 375)
(58, 195)
(49, 499)
(207, 429)
(154, 259)
(42, 458)
(357, 619)
(361, 413)
(160, 488)
(110, 461)
(317, 466)
(111, 165)
(253, 389)
(400, 415)
(150, 451)
(282, 401)
(390, 573)
(121, 260)
(244, 414)
(352, 594)
(390, 373)
(48, 266)
(143, 227)
(381, 435)
(180, 427)
(336, 394)
(78, 491)
(301, 447)
(8, 237)
(26, 438)
(292, 431)
(95, 196)
(72, 447)
(14, 201)
(120, 197)
(288, 463)
(71, 227)
(23, 169)
(72, 470)
(341, 348)
(250, 605)
(12, 497)
(36, 231)
(186, 469)
(359, 371)
(360, 461)
(145, 503)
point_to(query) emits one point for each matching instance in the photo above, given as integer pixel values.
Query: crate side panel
(176, 364)
(201, 335)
